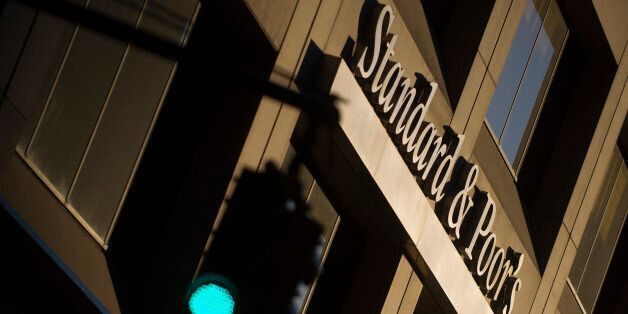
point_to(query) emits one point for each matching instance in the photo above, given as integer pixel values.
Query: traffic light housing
(265, 242)
(212, 293)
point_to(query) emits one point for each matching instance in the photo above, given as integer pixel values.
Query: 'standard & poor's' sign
(465, 212)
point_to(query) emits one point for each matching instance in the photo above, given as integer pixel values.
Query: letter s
(512, 286)
(364, 72)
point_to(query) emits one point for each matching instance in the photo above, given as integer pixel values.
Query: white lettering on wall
(467, 214)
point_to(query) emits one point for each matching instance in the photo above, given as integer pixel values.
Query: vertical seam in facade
(54, 84)
(138, 158)
(270, 135)
(52, 89)
(292, 75)
(499, 35)
(141, 153)
(97, 124)
(487, 66)
(562, 257)
(333, 25)
(285, 34)
(105, 105)
(475, 101)
(407, 286)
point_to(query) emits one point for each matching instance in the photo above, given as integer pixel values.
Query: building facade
(478, 163)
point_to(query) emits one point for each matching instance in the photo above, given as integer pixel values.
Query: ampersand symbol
(462, 202)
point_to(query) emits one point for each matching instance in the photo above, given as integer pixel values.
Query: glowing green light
(211, 299)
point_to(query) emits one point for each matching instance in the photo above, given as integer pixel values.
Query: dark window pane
(601, 233)
(15, 23)
(75, 105)
(339, 270)
(605, 242)
(590, 231)
(87, 117)
(120, 135)
(325, 215)
(36, 71)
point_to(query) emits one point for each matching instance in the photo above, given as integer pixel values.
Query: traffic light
(212, 293)
(262, 249)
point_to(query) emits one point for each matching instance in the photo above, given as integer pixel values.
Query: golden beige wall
(329, 23)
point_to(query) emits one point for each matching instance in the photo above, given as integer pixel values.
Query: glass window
(523, 82)
(601, 233)
(116, 143)
(568, 302)
(85, 137)
(74, 107)
(322, 212)
(15, 22)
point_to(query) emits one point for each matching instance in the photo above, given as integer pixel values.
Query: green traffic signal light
(212, 294)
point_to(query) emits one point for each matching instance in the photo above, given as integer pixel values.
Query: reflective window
(601, 233)
(322, 212)
(525, 77)
(91, 102)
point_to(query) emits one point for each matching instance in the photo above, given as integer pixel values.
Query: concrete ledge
(377, 151)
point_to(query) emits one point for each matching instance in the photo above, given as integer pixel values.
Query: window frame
(602, 202)
(65, 200)
(39, 114)
(536, 111)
